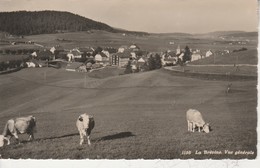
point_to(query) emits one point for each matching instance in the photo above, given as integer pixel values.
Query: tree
(151, 63)
(128, 68)
(187, 55)
(158, 61)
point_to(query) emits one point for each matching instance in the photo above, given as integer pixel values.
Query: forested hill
(42, 22)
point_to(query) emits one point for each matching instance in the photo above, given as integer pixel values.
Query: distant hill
(46, 22)
(227, 34)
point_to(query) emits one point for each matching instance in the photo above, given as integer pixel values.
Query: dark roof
(75, 53)
(87, 49)
(125, 54)
(44, 53)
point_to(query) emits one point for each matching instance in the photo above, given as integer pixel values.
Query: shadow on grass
(57, 137)
(116, 136)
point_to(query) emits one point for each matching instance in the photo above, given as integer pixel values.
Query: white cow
(20, 125)
(85, 123)
(2, 140)
(194, 118)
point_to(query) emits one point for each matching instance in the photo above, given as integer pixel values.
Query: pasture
(152, 42)
(137, 116)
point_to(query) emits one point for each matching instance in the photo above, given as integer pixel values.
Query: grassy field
(219, 69)
(137, 116)
(242, 57)
(152, 42)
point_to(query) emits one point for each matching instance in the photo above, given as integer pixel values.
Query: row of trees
(12, 64)
(17, 51)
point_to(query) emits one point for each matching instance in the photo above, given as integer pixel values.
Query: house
(86, 50)
(45, 55)
(209, 53)
(169, 58)
(30, 64)
(134, 47)
(106, 53)
(57, 49)
(111, 50)
(178, 50)
(36, 63)
(76, 67)
(76, 53)
(122, 49)
(34, 54)
(73, 54)
(101, 58)
(140, 63)
(121, 58)
(195, 56)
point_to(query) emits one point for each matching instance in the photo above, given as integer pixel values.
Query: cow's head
(206, 128)
(80, 118)
(33, 122)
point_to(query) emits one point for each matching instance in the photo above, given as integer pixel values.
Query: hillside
(42, 22)
(242, 57)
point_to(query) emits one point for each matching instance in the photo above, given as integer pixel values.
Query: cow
(85, 123)
(228, 88)
(2, 140)
(194, 119)
(21, 125)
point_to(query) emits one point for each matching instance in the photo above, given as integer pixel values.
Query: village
(87, 59)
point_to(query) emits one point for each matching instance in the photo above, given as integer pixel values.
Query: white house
(178, 50)
(122, 49)
(209, 53)
(70, 57)
(31, 64)
(34, 54)
(195, 56)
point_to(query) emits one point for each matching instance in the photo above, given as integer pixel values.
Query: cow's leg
(189, 126)
(31, 137)
(16, 137)
(88, 135)
(81, 137)
(193, 127)
(199, 128)
(89, 140)
(7, 139)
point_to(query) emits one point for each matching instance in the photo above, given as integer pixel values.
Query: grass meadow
(152, 42)
(137, 116)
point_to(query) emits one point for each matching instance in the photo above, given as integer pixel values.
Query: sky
(154, 16)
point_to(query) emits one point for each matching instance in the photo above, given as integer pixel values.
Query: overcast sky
(158, 16)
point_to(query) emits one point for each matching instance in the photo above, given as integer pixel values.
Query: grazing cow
(194, 118)
(20, 125)
(228, 88)
(85, 123)
(2, 140)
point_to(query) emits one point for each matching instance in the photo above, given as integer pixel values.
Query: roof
(125, 54)
(75, 52)
(110, 49)
(86, 49)
(44, 53)
(102, 55)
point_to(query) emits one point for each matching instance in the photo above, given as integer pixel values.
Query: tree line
(42, 22)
